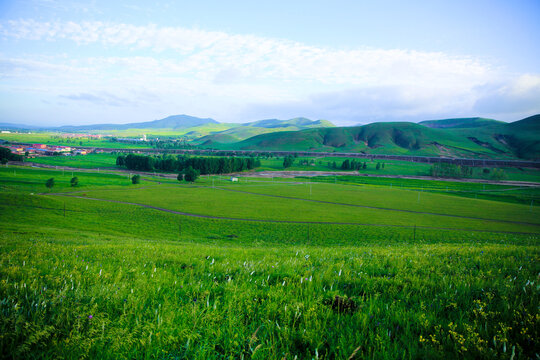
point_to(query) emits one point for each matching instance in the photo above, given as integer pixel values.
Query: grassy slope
(396, 138)
(245, 131)
(465, 138)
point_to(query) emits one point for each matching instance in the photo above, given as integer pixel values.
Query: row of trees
(49, 183)
(353, 165)
(459, 171)
(204, 165)
(450, 170)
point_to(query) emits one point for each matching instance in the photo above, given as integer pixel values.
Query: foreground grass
(95, 298)
(110, 280)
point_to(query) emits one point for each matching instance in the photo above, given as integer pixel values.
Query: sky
(350, 62)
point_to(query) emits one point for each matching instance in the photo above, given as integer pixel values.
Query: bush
(49, 183)
(191, 174)
(136, 179)
(498, 174)
(74, 181)
(180, 177)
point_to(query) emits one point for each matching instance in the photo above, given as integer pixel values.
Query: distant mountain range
(171, 122)
(460, 137)
(175, 122)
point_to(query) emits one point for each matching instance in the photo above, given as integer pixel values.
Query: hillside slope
(248, 130)
(470, 138)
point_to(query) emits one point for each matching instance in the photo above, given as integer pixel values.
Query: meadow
(264, 269)
(53, 138)
(391, 167)
(90, 161)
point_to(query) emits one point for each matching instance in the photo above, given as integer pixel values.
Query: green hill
(247, 130)
(471, 138)
(299, 122)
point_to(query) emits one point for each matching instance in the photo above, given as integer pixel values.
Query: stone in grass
(341, 304)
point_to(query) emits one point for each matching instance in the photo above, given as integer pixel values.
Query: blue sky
(351, 62)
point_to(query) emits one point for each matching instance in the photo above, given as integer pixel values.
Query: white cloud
(206, 53)
(231, 77)
(517, 97)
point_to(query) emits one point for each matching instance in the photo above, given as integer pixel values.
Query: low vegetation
(265, 268)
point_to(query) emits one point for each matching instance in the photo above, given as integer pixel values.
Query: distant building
(39, 146)
(6, 132)
(17, 149)
(234, 179)
(44, 151)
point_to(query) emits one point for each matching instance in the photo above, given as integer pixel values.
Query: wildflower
(90, 316)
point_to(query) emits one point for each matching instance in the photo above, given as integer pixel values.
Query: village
(47, 150)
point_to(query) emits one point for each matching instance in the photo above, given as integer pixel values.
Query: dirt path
(286, 221)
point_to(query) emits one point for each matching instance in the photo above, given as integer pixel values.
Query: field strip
(276, 174)
(310, 200)
(381, 208)
(287, 221)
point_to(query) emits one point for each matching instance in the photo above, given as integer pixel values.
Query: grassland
(313, 270)
(391, 167)
(90, 161)
(52, 138)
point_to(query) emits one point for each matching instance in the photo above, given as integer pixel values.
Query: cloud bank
(168, 70)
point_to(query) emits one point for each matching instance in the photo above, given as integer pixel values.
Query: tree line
(204, 165)
(6, 155)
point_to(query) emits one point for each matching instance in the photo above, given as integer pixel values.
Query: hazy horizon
(247, 121)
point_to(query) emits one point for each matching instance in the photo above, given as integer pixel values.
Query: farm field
(266, 269)
(51, 138)
(391, 167)
(90, 161)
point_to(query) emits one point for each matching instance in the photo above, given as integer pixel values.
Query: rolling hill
(247, 130)
(470, 138)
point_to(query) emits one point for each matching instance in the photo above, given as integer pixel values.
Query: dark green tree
(49, 183)
(74, 181)
(136, 179)
(120, 160)
(288, 161)
(191, 174)
(180, 177)
(378, 166)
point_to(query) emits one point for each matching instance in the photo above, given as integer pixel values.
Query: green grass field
(285, 268)
(90, 161)
(52, 138)
(391, 167)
